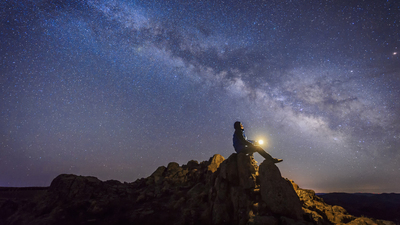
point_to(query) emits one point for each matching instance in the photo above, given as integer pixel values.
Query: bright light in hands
(260, 142)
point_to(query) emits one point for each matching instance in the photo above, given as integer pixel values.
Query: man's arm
(243, 140)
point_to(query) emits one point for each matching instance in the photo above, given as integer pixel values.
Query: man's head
(238, 125)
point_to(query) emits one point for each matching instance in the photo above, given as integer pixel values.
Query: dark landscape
(218, 191)
(378, 206)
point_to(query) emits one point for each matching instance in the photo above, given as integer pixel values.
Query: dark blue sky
(114, 89)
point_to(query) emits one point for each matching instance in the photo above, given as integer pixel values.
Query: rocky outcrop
(318, 211)
(218, 191)
(278, 193)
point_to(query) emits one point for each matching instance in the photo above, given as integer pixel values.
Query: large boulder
(231, 192)
(278, 193)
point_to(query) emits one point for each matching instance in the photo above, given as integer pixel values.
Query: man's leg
(264, 154)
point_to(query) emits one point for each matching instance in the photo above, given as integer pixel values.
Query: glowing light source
(260, 142)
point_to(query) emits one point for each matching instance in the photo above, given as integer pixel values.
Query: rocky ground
(219, 191)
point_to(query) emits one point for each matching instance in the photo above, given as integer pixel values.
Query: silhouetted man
(242, 145)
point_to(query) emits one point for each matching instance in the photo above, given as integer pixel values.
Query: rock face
(218, 191)
(278, 193)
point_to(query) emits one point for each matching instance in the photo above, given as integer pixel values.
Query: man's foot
(277, 160)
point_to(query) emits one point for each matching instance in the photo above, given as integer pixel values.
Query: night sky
(114, 89)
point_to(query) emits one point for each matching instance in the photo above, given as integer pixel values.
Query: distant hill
(219, 191)
(379, 206)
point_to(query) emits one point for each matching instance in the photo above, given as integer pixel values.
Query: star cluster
(114, 89)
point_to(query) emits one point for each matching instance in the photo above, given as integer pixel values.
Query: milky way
(114, 89)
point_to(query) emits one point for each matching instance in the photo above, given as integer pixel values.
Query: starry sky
(114, 89)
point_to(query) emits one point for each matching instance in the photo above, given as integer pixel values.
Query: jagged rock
(321, 213)
(217, 191)
(215, 161)
(278, 193)
(193, 164)
(247, 171)
(229, 171)
(158, 173)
